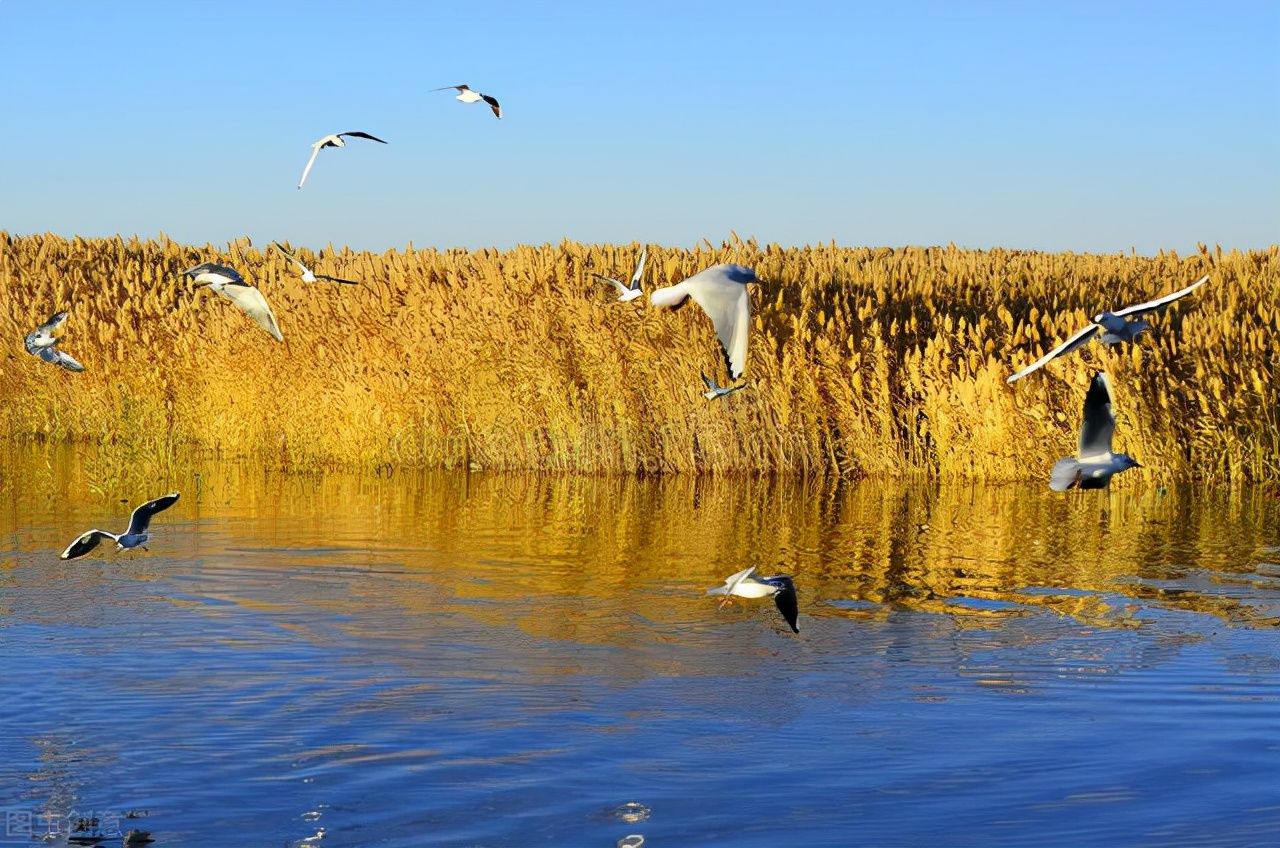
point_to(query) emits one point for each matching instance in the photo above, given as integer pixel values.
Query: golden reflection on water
(981, 554)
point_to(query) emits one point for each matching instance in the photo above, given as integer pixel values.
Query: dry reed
(863, 360)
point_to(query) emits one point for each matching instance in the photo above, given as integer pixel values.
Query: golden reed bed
(870, 361)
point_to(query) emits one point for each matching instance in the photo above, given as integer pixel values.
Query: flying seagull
(136, 536)
(466, 95)
(1094, 463)
(1114, 326)
(780, 587)
(43, 343)
(334, 140)
(627, 291)
(228, 283)
(715, 390)
(309, 276)
(721, 291)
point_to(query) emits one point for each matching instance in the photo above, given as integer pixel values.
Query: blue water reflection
(500, 661)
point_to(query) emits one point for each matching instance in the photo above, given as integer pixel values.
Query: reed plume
(863, 361)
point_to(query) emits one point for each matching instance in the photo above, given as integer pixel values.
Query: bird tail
(669, 296)
(1066, 473)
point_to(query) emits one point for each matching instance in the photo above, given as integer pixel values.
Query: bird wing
(142, 515)
(617, 284)
(1099, 423)
(1065, 474)
(363, 135)
(215, 273)
(315, 151)
(1141, 308)
(785, 599)
(729, 306)
(447, 87)
(1066, 347)
(301, 265)
(709, 383)
(51, 326)
(635, 278)
(493, 104)
(280, 247)
(197, 270)
(58, 357)
(669, 296)
(231, 275)
(337, 280)
(733, 580)
(86, 542)
(741, 330)
(253, 304)
(292, 256)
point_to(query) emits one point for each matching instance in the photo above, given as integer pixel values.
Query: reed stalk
(863, 361)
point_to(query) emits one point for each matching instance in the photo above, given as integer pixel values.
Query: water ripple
(491, 665)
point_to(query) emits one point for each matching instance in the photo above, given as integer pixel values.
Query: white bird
(309, 276)
(1094, 464)
(136, 536)
(228, 283)
(721, 291)
(628, 291)
(779, 587)
(1114, 326)
(466, 95)
(334, 140)
(715, 390)
(43, 343)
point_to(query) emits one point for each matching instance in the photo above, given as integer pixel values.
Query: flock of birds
(721, 292)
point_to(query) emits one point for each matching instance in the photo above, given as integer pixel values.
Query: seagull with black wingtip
(227, 282)
(333, 140)
(309, 276)
(721, 291)
(134, 537)
(466, 95)
(1122, 325)
(1094, 464)
(745, 585)
(715, 390)
(43, 342)
(627, 291)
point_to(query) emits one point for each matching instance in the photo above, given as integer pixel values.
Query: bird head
(1128, 462)
(193, 271)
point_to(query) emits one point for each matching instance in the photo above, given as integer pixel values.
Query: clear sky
(1086, 126)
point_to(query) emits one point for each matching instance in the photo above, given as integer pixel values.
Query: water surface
(482, 660)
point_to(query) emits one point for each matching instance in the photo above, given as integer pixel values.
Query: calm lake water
(483, 660)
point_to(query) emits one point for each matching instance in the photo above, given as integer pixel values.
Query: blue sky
(1070, 126)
